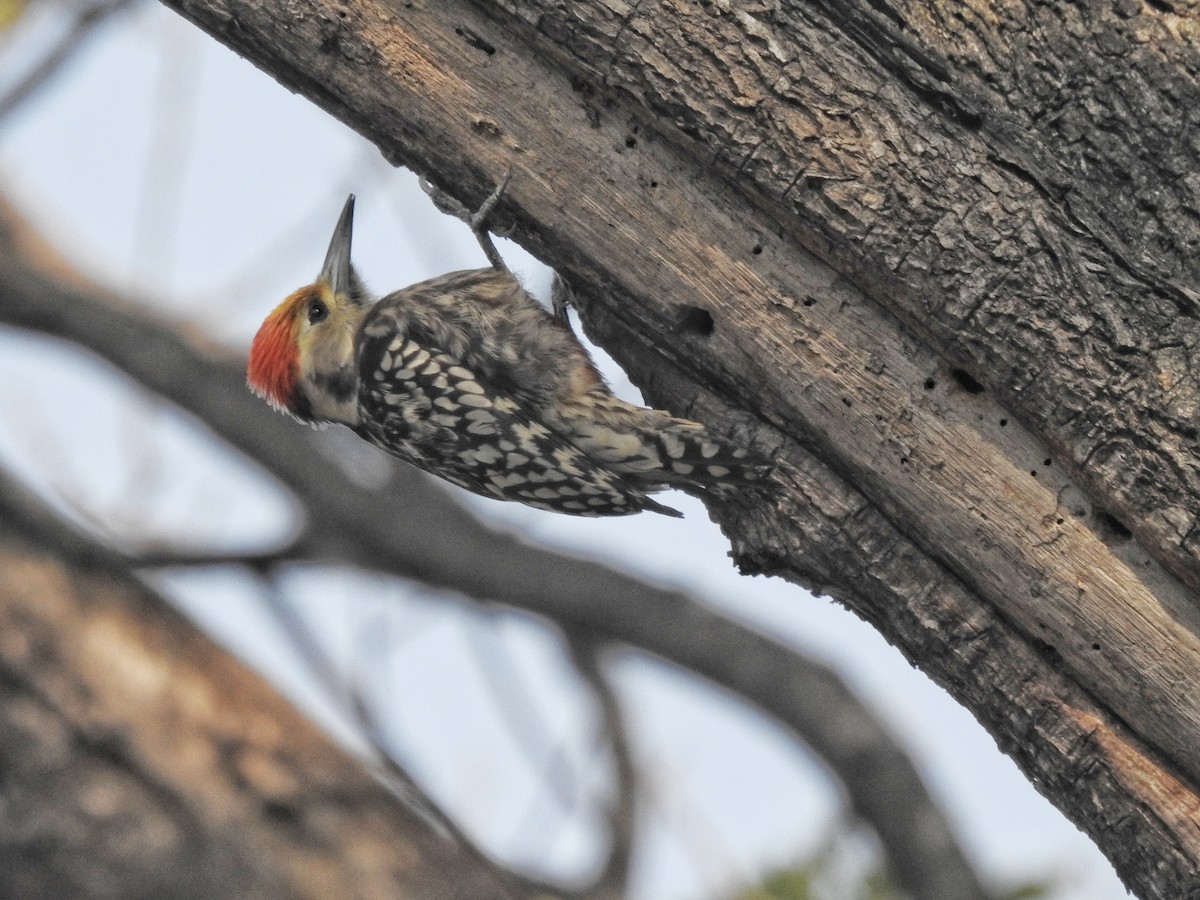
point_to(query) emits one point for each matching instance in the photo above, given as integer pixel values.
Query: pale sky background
(171, 169)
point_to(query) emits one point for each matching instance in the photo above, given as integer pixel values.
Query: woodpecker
(467, 377)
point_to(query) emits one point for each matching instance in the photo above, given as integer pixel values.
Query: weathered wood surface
(818, 216)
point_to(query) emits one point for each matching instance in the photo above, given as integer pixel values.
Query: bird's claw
(477, 220)
(562, 298)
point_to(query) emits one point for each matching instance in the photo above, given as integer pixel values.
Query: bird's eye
(317, 312)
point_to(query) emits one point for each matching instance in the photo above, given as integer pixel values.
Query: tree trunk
(939, 261)
(137, 759)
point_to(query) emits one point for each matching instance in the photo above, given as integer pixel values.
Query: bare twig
(349, 698)
(171, 557)
(173, 123)
(85, 23)
(35, 519)
(611, 881)
(518, 709)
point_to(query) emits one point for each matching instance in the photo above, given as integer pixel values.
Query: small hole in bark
(1048, 650)
(1111, 529)
(695, 320)
(810, 301)
(966, 381)
(631, 142)
(846, 402)
(1095, 646)
(475, 40)
(930, 384)
(1003, 423)
(1033, 472)
(1046, 462)
(756, 249)
(486, 128)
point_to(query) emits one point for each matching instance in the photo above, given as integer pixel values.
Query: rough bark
(939, 261)
(137, 759)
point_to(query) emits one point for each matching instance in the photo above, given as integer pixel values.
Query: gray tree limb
(941, 263)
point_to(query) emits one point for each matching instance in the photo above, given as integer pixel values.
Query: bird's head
(302, 360)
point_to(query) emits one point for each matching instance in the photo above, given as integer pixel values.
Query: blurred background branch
(410, 528)
(140, 758)
(87, 18)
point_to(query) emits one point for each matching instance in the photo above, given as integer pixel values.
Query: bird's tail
(653, 448)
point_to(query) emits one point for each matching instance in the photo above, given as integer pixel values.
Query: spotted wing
(424, 406)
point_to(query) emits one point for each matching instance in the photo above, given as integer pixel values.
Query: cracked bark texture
(938, 259)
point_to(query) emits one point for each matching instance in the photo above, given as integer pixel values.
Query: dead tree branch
(410, 528)
(885, 241)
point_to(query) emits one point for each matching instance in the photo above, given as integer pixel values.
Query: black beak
(336, 272)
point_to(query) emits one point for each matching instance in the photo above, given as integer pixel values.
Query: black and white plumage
(467, 377)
